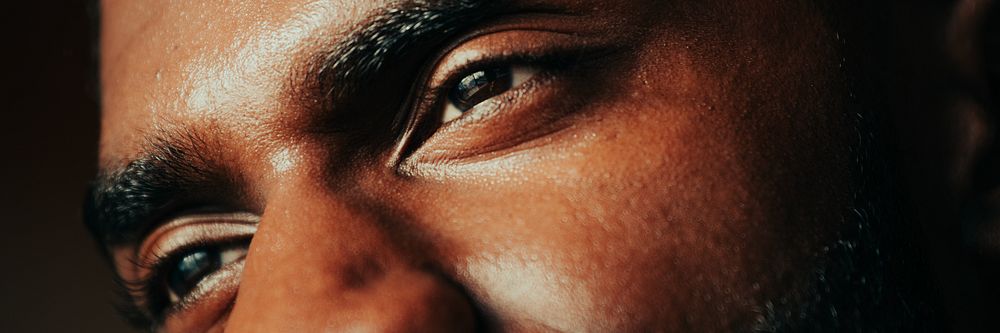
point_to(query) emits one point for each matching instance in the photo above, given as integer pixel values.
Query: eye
(481, 85)
(186, 273)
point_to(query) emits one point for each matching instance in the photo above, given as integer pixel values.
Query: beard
(874, 276)
(868, 280)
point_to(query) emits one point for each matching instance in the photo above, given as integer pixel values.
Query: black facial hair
(873, 278)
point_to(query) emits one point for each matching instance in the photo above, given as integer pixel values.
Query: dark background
(52, 278)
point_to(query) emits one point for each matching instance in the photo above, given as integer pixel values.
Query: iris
(190, 269)
(481, 86)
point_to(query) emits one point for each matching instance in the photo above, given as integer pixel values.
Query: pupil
(480, 86)
(191, 269)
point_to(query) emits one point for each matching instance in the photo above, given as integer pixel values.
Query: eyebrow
(122, 205)
(388, 36)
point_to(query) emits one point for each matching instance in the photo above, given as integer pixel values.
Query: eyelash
(548, 64)
(148, 296)
(422, 123)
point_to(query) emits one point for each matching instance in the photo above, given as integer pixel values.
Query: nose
(318, 265)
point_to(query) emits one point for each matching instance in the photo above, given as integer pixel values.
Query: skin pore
(576, 166)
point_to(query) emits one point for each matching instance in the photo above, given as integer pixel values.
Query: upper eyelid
(182, 234)
(437, 91)
(213, 222)
(147, 297)
(432, 90)
(455, 65)
(479, 50)
(505, 44)
(460, 56)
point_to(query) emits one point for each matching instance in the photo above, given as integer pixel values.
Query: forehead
(216, 65)
(176, 62)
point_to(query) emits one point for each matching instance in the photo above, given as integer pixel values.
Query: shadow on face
(526, 166)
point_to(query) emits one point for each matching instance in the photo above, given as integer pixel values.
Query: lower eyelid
(489, 107)
(555, 54)
(208, 303)
(227, 256)
(232, 254)
(519, 75)
(232, 230)
(463, 138)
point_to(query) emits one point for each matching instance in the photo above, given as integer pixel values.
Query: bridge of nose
(318, 263)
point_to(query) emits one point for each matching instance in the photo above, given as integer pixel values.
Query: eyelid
(490, 50)
(205, 305)
(182, 232)
(227, 256)
(511, 45)
(173, 238)
(520, 75)
(456, 63)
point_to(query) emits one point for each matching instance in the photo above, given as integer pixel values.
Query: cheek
(680, 192)
(645, 210)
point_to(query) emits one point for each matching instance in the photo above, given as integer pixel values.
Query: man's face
(296, 166)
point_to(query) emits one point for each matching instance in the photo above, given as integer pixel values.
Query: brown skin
(678, 182)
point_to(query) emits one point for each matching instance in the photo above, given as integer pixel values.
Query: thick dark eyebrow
(123, 204)
(390, 35)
